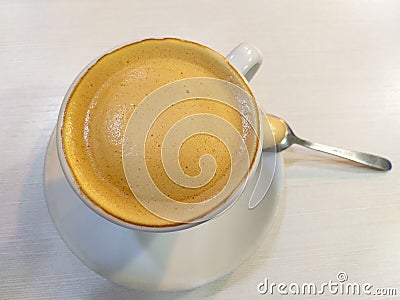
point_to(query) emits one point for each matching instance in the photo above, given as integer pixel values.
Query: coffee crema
(101, 103)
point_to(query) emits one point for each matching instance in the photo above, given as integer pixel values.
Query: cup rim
(97, 209)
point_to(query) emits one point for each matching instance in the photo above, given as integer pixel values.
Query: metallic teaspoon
(284, 138)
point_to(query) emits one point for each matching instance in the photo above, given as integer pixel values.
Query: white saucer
(161, 261)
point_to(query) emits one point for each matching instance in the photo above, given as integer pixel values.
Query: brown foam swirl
(220, 158)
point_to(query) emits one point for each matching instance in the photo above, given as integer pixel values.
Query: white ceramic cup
(169, 261)
(246, 59)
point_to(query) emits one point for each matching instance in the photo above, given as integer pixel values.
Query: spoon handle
(370, 160)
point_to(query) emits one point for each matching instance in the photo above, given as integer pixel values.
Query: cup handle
(246, 58)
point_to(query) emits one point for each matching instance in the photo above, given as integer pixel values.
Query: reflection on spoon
(284, 137)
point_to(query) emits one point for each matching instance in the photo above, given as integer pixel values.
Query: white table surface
(331, 68)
